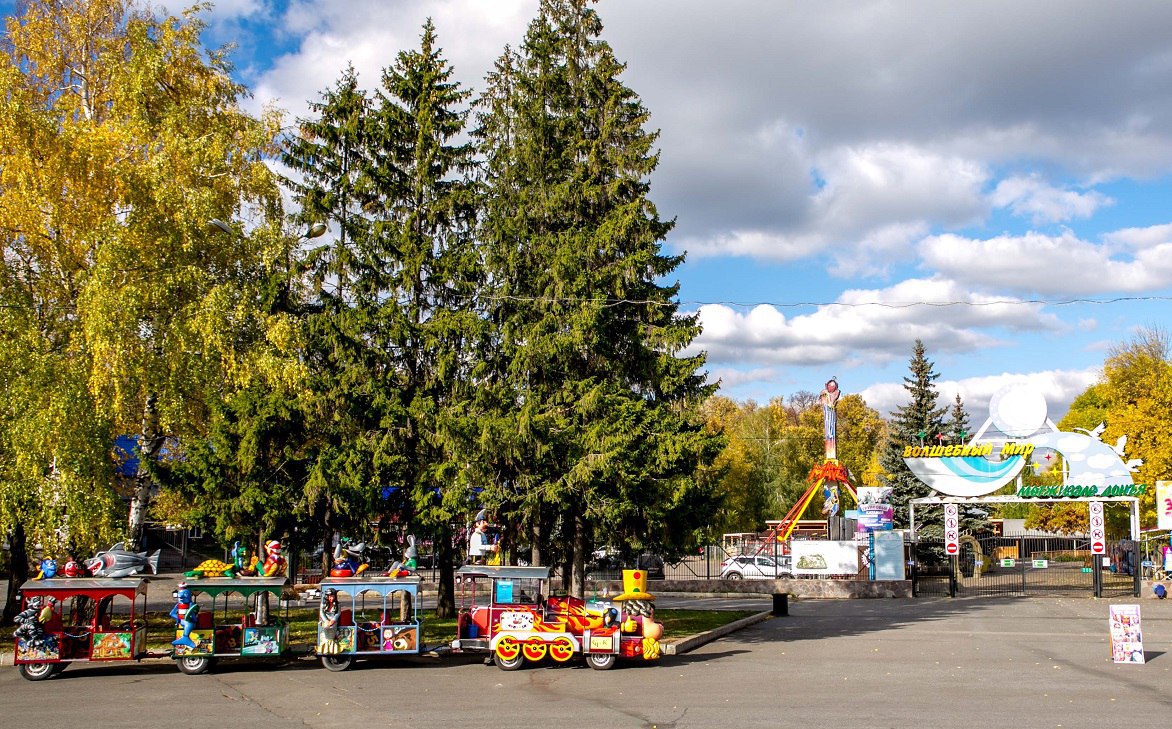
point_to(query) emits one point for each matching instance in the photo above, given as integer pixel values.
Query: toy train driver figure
(479, 545)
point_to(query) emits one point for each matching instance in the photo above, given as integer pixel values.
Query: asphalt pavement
(963, 663)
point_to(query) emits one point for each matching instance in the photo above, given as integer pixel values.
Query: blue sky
(849, 176)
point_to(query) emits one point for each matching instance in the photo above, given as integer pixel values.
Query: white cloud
(730, 377)
(1032, 197)
(1058, 387)
(871, 203)
(1153, 236)
(872, 326)
(1051, 265)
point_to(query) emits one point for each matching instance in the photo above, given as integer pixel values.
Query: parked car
(759, 567)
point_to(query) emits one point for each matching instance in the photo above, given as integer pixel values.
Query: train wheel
(36, 671)
(508, 654)
(195, 665)
(534, 649)
(561, 649)
(336, 663)
(600, 661)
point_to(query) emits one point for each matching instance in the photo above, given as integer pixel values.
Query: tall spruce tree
(331, 155)
(415, 295)
(918, 422)
(959, 429)
(596, 430)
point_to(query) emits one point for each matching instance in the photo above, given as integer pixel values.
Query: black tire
(336, 663)
(733, 576)
(38, 671)
(601, 661)
(194, 665)
(511, 665)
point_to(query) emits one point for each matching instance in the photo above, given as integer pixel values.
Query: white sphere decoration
(1018, 410)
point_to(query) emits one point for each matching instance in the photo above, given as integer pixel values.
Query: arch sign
(1092, 469)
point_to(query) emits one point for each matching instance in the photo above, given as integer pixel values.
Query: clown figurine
(185, 613)
(274, 564)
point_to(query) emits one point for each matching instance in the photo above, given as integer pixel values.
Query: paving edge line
(699, 639)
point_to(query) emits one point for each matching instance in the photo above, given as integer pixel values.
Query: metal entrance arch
(1023, 565)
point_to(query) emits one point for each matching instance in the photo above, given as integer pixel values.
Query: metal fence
(1014, 566)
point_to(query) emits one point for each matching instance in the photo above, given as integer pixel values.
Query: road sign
(951, 530)
(1008, 562)
(1098, 534)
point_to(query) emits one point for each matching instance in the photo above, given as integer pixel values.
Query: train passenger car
(368, 617)
(68, 620)
(240, 622)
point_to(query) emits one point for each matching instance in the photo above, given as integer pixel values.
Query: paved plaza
(1036, 662)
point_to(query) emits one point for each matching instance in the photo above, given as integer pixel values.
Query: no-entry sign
(951, 530)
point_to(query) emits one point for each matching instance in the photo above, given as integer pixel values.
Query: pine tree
(958, 428)
(596, 430)
(918, 422)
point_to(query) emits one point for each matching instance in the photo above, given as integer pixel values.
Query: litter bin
(780, 603)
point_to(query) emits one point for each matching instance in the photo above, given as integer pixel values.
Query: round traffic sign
(951, 549)
(1097, 548)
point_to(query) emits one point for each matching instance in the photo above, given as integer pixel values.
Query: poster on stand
(1127, 645)
(819, 557)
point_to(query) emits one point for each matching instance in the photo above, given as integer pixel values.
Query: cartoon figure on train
(186, 616)
(274, 564)
(638, 609)
(328, 619)
(31, 639)
(349, 559)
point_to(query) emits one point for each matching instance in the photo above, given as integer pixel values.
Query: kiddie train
(504, 612)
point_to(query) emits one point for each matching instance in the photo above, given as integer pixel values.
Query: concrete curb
(695, 641)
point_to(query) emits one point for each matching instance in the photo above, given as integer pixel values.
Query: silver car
(759, 567)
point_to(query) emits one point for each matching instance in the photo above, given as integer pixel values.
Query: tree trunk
(148, 448)
(535, 542)
(578, 557)
(445, 604)
(18, 572)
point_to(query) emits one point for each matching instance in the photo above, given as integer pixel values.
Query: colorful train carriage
(505, 611)
(63, 621)
(368, 617)
(238, 623)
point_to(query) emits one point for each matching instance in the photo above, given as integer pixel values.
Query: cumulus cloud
(872, 326)
(869, 205)
(1061, 264)
(1058, 387)
(843, 130)
(1032, 197)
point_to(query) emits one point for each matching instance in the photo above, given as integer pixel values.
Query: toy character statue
(30, 622)
(829, 400)
(185, 614)
(638, 612)
(74, 568)
(327, 620)
(349, 559)
(48, 569)
(479, 545)
(274, 564)
(410, 560)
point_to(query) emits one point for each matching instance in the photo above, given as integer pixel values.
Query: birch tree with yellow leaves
(121, 136)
